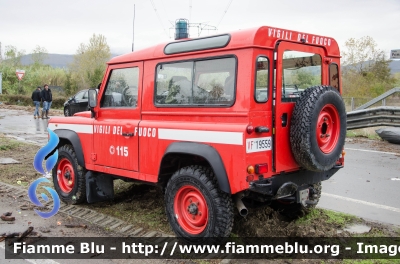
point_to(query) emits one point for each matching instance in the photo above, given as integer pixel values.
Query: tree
(305, 79)
(39, 54)
(12, 61)
(12, 56)
(366, 71)
(89, 64)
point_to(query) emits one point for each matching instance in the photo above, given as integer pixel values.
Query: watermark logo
(38, 165)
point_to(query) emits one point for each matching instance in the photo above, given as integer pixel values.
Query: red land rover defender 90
(250, 117)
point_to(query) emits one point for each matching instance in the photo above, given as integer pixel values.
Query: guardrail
(377, 99)
(379, 116)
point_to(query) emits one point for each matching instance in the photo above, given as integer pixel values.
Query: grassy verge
(8, 143)
(364, 132)
(137, 204)
(21, 173)
(337, 219)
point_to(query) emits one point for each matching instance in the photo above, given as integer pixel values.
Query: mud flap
(99, 187)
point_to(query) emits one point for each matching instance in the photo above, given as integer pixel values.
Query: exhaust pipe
(240, 206)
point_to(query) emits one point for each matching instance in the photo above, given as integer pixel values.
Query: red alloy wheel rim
(65, 175)
(328, 128)
(191, 210)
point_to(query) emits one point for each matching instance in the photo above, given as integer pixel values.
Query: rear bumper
(302, 179)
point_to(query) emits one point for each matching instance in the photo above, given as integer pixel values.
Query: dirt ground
(380, 145)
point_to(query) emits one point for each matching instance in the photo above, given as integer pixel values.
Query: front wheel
(69, 176)
(67, 112)
(196, 208)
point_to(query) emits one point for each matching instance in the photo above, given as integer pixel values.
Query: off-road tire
(317, 144)
(71, 191)
(190, 183)
(297, 210)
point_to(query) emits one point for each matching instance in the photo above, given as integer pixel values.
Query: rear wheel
(296, 210)
(69, 176)
(196, 208)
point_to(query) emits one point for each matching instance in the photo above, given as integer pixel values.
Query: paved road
(21, 125)
(366, 187)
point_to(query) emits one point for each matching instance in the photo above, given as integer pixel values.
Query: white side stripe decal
(233, 138)
(85, 129)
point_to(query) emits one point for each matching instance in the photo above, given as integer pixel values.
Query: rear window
(199, 83)
(301, 70)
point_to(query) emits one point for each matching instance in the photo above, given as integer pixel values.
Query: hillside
(54, 60)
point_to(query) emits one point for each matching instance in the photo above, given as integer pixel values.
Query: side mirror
(92, 98)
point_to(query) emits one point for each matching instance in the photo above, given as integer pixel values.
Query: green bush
(16, 99)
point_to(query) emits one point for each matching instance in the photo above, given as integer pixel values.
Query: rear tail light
(261, 168)
(250, 178)
(250, 129)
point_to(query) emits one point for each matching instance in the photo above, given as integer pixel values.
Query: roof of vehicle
(265, 37)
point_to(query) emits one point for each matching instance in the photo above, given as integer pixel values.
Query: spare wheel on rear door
(318, 128)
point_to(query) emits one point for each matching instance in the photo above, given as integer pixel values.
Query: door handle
(284, 120)
(127, 134)
(262, 129)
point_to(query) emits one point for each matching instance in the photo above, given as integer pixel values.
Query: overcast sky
(60, 25)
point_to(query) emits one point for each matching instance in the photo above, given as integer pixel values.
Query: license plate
(303, 196)
(258, 144)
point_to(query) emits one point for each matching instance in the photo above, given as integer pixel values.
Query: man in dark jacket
(47, 98)
(36, 98)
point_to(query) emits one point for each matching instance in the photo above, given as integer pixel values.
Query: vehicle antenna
(133, 32)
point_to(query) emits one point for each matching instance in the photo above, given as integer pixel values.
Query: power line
(165, 11)
(190, 9)
(202, 26)
(158, 16)
(226, 10)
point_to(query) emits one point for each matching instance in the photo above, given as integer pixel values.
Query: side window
(334, 75)
(262, 80)
(212, 84)
(121, 88)
(79, 96)
(301, 70)
(174, 83)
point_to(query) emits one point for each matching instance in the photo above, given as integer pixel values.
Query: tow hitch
(303, 196)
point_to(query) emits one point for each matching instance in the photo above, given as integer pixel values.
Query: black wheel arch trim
(209, 153)
(72, 137)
